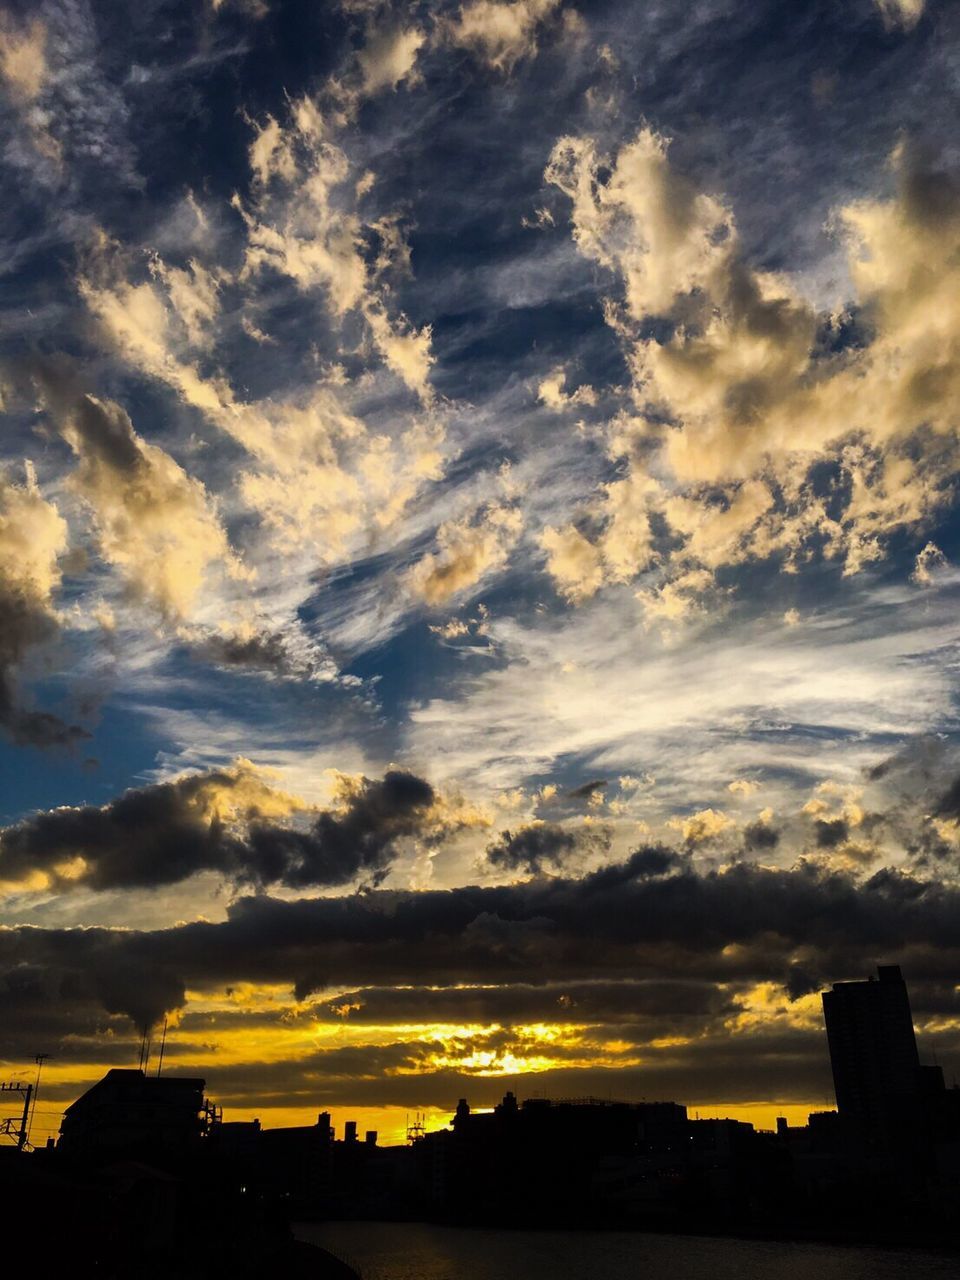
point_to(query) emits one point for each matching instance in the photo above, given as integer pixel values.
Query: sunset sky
(478, 544)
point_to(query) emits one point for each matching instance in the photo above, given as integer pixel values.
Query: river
(419, 1251)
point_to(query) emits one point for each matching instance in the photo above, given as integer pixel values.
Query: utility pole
(40, 1059)
(163, 1045)
(7, 1126)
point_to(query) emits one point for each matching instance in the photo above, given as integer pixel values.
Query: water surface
(421, 1251)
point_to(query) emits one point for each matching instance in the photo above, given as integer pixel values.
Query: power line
(8, 1127)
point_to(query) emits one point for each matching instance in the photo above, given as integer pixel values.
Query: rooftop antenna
(416, 1130)
(163, 1043)
(144, 1047)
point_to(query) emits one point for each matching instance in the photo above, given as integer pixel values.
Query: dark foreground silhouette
(147, 1169)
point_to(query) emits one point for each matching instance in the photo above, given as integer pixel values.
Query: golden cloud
(33, 537)
(155, 524)
(468, 550)
(744, 379)
(23, 63)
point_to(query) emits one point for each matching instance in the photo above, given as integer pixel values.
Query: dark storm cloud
(587, 789)
(268, 653)
(361, 838)
(919, 788)
(575, 1002)
(532, 847)
(149, 836)
(650, 861)
(760, 835)
(165, 833)
(741, 923)
(44, 1009)
(264, 652)
(831, 832)
(949, 804)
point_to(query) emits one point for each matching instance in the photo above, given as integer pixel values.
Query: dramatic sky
(478, 543)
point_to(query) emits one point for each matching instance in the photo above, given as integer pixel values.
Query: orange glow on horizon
(390, 1123)
(762, 1115)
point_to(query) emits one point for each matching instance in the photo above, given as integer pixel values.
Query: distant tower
(873, 1053)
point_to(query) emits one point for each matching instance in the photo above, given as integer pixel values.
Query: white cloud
(501, 33)
(710, 705)
(388, 57)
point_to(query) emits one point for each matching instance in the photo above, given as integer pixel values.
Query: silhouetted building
(873, 1053)
(131, 1114)
(297, 1162)
(551, 1160)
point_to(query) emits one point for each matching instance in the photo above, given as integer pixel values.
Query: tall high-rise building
(873, 1052)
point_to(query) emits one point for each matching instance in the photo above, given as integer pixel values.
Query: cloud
(298, 227)
(831, 832)
(303, 223)
(702, 827)
(543, 844)
(388, 57)
(147, 837)
(468, 550)
(321, 488)
(155, 524)
(760, 836)
(647, 221)
(70, 111)
(193, 296)
(930, 559)
(852, 673)
(405, 349)
(605, 1002)
(551, 392)
(676, 601)
(573, 561)
(320, 483)
(234, 821)
(901, 13)
(743, 786)
(743, 923)
(33, 538)
(289, 654)
(23, 64)
(500, 33)
(755, 384)
(588, 790)
(361, 838)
